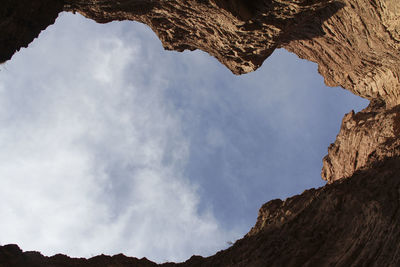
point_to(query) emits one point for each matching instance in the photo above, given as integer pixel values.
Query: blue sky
(111, 144)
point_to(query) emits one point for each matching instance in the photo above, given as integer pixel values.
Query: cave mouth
(114, 145)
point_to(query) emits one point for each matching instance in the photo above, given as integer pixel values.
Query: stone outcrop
(360, 50)
(355, 43)
(21, 21)
(240, 34)
(349, 222)
(366, 137)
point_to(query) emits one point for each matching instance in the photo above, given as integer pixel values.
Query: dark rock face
(349, 222)
(21, 21)
(240, 34)
(12, 256)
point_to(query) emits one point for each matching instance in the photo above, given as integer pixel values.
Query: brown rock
(355, 43)
(360, 50)
(365, 138)
(240, 34)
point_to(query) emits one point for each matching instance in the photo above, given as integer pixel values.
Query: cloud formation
(110, 144)
(91, 162)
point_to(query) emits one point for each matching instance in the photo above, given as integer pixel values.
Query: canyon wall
(369, 136)
(356, 44)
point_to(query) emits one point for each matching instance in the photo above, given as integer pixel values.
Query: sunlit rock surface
(366, 137)
(355, 43)
(349, 222)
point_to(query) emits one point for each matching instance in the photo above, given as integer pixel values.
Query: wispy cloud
(92, 162)
(110, 144)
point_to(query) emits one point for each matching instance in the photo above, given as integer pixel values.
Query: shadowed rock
(21, 21)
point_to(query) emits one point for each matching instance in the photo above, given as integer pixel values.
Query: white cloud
(110, 144)
(90, 162)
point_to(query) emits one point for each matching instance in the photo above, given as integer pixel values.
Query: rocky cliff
(349, 222)
(355, 43)
(366, 137)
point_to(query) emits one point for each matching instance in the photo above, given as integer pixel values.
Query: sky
(112, 145)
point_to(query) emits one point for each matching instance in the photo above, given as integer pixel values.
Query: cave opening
(113, 145)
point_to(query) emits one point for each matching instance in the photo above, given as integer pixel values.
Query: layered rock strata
(240, 34)
(366, 137)
(360, 49)
(355, 43)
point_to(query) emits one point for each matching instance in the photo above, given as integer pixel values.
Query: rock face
(12, 256)
(355, 43)
(369, 136)
(360, 50)
(240, 34)
(21, 21)
(349, 222)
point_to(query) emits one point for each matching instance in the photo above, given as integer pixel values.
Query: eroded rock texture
(366, 137)
(355, 43)
(360, 50)
(240, 34)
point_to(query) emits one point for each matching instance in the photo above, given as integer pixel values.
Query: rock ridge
(365, 137)
(356, 44)
(240, 34)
